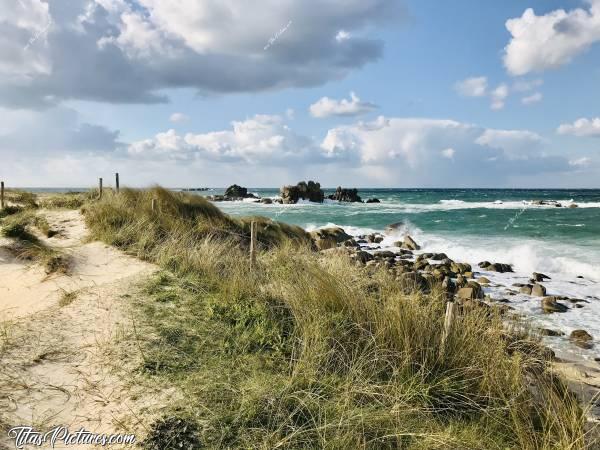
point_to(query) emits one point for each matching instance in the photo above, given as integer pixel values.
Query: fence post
(100, 188)
(117, 182)
(448, 321)
(153, 205)
(252, 243)
(2, 194)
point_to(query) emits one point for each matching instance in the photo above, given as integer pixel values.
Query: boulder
(525, 289)
(310, 191)
(496, 267)
(573, 205)
(329, 237)
(394, 227)
(539, 277)
(234, 192)
(551, 333)
(374, 238)
(410, 244)
(538, 290)
(266, 201)
(363, 257)
(414, 280)
(373, 200)
(384, 254)
(345, 195)
(460, 267)
(550, 305)
(483, 280)
(581, 338)
(471, 291)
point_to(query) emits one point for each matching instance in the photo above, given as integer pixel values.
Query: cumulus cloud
(178, 117)
(582, 127)
(551, 40)
(472, 87)
(261, 139)
(212, 46)
(416, 151)
(533, 98)
(328, 107)
(499, 96)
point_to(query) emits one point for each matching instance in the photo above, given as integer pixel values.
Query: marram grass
(311, 351)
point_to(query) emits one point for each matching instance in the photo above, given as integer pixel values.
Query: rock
(539, 276)
(461, 281)
(581, 338)
(484, 264)
(483, 280)
(375, 238)
(363, 257)
(235, 192)
(410, 243)
(345, 195)
(329, 237)
(471, 291)
(394, 227)
(350, 243)
(552, 333)
(414, 280)
(496, 267)
(573, 205)
(448, 285)
(525, 289)
(538, 290)
(373, 200)
(384, 254)
(460, 267)
(266, 201)
(310, 191)
(550, 305)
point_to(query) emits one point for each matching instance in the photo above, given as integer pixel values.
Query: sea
(522, 227)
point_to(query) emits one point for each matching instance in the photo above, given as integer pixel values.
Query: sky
(358, 93)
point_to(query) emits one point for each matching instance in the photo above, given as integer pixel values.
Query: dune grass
(311, 351)
(19, 227)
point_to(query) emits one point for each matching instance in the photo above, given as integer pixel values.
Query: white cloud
(516, 144)
(472, 87)
(448, 153)
(263, 138)
(582, 127)
(551, 40)
(533, 98)
(342, 36)
(157, 45)
(327, 107)
(499, 96)
(580, 162)
(179, 117)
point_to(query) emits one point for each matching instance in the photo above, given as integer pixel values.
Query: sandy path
(74, 364)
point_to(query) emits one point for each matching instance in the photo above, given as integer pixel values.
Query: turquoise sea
(472, 225)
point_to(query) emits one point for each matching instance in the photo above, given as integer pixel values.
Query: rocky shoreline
(303, 191)
(467, 286)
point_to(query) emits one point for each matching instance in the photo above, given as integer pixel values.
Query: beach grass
(305, 350)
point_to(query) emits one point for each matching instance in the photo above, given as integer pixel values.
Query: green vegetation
(67, 298)
(313, 351)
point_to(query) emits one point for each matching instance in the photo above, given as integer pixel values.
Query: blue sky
(96, 89)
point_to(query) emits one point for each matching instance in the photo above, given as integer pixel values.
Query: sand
(73, 364)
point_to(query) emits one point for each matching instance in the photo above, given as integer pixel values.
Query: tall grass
(313, 351)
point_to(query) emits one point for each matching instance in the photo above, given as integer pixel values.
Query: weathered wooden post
(2, 194)
(117, 182)
(100, 188)
(153, 205)
(448, 321)
(252, 243)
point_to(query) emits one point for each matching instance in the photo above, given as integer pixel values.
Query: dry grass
(307, 351)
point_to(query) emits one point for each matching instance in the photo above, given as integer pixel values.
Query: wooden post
(117, 182)
(252, 243)
(448, 321)
(153, 205)
(100, 188)
(2, 194)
